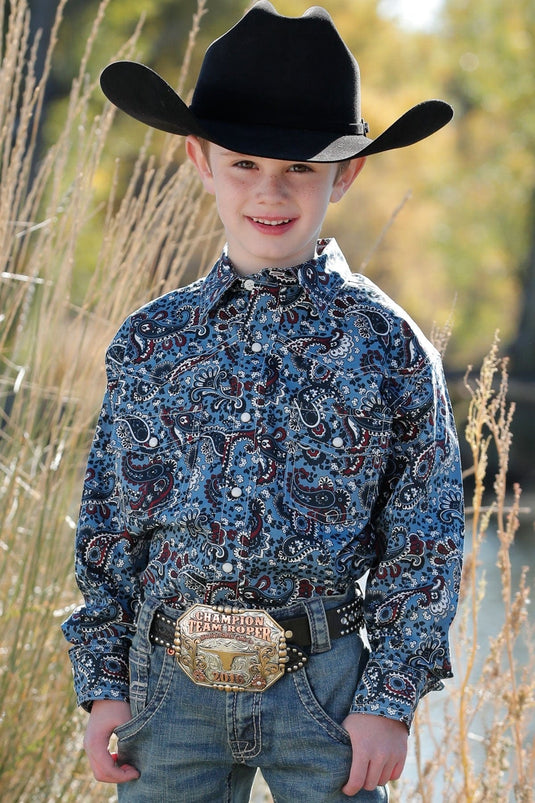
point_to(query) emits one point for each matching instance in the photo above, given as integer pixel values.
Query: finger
(396, 772)
(391, 771)
(377, 773)
(386, 774)
(357, 778)
(106, 769)
(127, 773)
(115, 774)
(376, 769)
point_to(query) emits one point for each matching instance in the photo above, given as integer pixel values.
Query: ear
(346, 178)
(197, 155)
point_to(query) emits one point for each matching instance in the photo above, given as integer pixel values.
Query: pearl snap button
(236, 492)
(256, 347)
(338, 442)
(248, 284)
(227, 567)
(245, 417)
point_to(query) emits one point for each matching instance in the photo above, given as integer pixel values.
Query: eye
(245, 164)
(300, 168)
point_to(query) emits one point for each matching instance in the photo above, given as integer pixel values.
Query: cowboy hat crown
(272, 86)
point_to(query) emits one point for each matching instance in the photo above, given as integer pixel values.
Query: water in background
(490, 620)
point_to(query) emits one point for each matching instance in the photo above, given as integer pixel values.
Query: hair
(205, 147)
(342, 166)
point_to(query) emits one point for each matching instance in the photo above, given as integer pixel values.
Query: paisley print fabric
(266, 439)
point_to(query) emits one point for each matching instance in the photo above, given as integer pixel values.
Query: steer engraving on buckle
(230, 649)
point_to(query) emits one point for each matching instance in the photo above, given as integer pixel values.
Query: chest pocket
(335, 459)
(155, 462)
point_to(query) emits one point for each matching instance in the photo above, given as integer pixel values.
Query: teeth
(270, 222)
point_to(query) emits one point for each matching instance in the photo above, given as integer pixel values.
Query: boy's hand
(105, 716)
(379, 751)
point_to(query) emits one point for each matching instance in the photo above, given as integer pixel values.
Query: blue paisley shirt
(265, 439)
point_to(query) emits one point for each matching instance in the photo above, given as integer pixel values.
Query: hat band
(339, 129)
(361, 129)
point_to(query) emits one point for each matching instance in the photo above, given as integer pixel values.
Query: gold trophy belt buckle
(230, 649)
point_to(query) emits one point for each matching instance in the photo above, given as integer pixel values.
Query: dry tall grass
(51, 376)
(51, 381)
(478, 745)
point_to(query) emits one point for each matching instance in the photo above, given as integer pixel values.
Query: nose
(272, 187)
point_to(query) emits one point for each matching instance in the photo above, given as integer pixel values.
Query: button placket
(260, 324)
(260, 313)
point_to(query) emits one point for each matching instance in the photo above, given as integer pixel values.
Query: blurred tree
(43, 13)
(491, 75)
(523, 347)
(491, 79)
(462, 198)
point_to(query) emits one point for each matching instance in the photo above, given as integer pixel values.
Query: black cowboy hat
(280, 87)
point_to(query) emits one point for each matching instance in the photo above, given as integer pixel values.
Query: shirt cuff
(99, 675)
(392, 690)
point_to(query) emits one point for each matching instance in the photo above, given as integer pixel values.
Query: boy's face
(272, 210)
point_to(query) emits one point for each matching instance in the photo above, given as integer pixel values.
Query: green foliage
(464, 227)
(491, 79)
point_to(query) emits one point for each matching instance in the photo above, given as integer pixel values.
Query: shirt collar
(322, 277)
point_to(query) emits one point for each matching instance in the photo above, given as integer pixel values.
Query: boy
(270, 434)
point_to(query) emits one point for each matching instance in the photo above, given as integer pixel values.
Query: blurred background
(462, 245)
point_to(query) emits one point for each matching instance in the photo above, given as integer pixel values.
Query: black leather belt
(341, 621)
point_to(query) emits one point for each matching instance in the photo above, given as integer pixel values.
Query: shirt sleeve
(108, 562)
(418, 524)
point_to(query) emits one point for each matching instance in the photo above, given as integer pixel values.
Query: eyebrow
(234, 154)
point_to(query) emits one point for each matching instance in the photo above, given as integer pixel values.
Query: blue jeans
(195, 744)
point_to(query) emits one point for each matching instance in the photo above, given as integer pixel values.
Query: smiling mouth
(265, 222)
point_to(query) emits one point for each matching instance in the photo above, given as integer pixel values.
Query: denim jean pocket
(149, 685)
(327, 685)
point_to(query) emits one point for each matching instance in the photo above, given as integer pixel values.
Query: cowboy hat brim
(143, 94)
